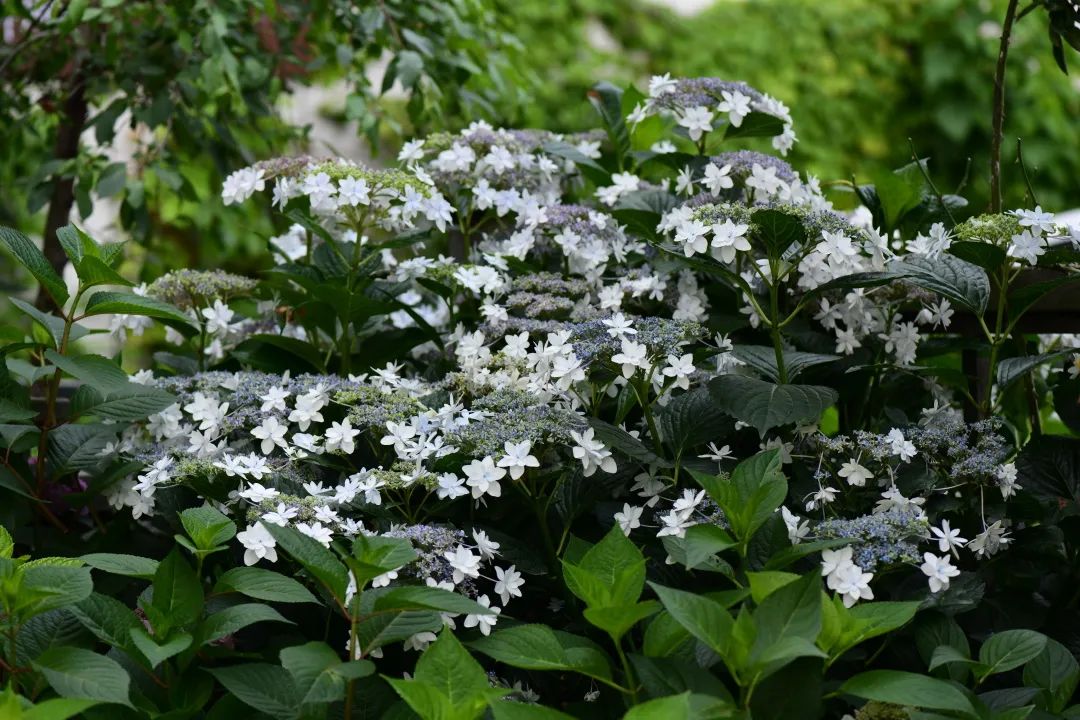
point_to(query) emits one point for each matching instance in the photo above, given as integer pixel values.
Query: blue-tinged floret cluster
(513, 416)
(880, 540)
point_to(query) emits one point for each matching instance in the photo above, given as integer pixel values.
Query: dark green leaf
(765, 405)
(27, 253)
(77, 673)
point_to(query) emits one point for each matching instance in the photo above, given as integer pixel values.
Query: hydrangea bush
(633, 422)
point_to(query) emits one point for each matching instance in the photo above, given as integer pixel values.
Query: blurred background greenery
(861, 77)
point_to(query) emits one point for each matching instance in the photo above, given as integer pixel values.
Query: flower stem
(997, 135)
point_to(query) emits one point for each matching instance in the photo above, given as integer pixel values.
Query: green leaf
(27, 253)
(428, 702)
(898, 192)
(267, 688)
(207, 527)
(319, 562)
(100, 372)
(112, 179)
(948, 655)
(793, 610)
(905, 688)
(177, 592)
(1056, 671)
(256, 348)
(319, 674)
(421, 597)
(155, 653)
(705, 619)
(93, 271)
(691, 419)
(777, 231)
(133, 402)
(7, 544)
(1010, 649)
(110, 620)
(765, 405)
(537, 647)
(374, 556)
(508, 710)
(77, 673)
(788, 555)
(49, 587)
(959, 281)
(76, 244)
(58, 709)
(702, 541)
(618, 564)
(687, 706)
(756, 124)
(1012, 369)
(233, 619)
(751, 495)
(263, 584)
(118, 564)
(608, 101)
(118, 303)
(447, 666)
(617, 620)
(863, 622)
(52, 324)
(934, 629)
(375, 631)
(988, 257)
(763, 359)
(618, 440)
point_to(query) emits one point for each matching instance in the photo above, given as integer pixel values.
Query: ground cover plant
(623, 423)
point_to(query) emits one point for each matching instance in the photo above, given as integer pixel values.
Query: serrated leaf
(691, 419)
(207, 527)
(177, 592)
(376, 631)
(118, 303)
(158, 653)
(703, 618)
(235, 618)
(319, 562)
(538, 647)
(777, 231)
(108, 619)
(422, 597)
(77, 673)
(267, 688)
(765, 405)
(93, 271)
(263, 584)
(623, 442)
(27, 253)
(52, 324)
(1012, 369)
(119, 564)
(961, 282)
(763, 359)
(78, 447)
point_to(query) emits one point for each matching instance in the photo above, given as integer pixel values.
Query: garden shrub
(627, 422)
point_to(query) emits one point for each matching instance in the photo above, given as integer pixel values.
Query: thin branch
(926, 176)
(1024, 172)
